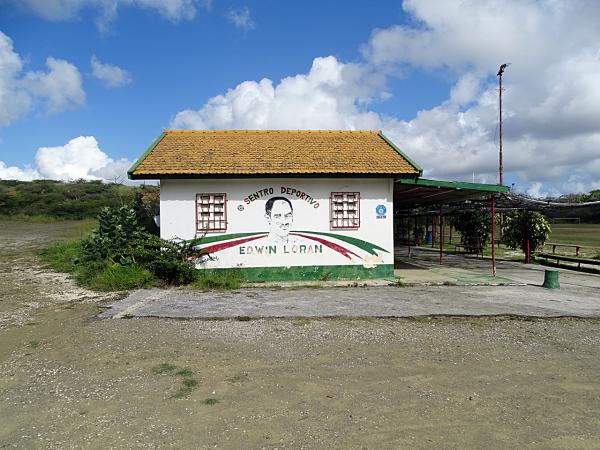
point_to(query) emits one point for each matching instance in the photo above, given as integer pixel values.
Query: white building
(281, 205)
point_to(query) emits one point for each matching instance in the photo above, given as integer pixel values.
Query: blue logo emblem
(381, 210)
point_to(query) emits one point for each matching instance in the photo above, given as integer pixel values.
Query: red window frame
(344, 210)
(211, 212)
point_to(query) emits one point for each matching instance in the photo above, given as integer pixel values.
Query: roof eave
(417, 167)
(133, 168)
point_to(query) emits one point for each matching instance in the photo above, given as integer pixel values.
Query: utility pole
(500, 72)
(500, 163)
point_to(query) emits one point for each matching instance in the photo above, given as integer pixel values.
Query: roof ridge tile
(273, 131)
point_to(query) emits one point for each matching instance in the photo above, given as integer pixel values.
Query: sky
(87, 85)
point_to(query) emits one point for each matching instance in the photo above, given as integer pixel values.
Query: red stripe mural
(332, 245)
(223, 245)
(235, 242)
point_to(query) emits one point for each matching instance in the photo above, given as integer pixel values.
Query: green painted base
(551, 279)
(306, 273)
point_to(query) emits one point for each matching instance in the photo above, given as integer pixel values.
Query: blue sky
(422, 72)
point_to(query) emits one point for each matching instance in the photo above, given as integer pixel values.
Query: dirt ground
(68, 380)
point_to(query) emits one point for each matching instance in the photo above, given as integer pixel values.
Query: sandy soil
(70, 381)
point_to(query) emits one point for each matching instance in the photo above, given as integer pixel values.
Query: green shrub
(120, 255)
(522, 226)
(121, 239)
(171, 261)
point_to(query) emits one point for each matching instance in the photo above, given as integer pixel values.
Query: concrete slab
(467, 292)
(423, 264)
(384, 301)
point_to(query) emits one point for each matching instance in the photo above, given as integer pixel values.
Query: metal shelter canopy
(412, 193)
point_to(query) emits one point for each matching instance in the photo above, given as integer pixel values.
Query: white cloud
(51, 9)
(240, 17)
(80, 158)
(110, 75)
(16, 173)
(551, 102)
(57, 10)
(329, 96)
(59, 87)
(552, 97)
(14, 99)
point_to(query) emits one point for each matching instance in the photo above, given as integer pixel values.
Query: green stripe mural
(226, 241)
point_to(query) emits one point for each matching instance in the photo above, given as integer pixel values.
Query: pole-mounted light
(499, 74)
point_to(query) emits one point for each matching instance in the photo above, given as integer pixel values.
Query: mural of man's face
(281, 218)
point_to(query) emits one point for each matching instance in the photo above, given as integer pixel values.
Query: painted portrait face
(280, 219)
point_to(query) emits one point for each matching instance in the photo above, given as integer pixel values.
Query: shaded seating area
(421, 199)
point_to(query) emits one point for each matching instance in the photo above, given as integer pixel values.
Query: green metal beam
(458, 185)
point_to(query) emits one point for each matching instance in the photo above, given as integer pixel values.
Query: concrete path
(579, 296)
(423, 267)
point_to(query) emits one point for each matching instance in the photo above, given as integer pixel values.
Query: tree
(474, 226)
(146, 204)
(522, 226)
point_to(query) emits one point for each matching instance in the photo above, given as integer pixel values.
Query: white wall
(310, 214)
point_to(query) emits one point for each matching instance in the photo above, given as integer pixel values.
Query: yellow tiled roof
(236, 152)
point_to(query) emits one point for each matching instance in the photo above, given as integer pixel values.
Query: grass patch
(326, 276)
(183, 392)
(164, 368)
(422, 318)
(40, 218)
(62, 256)
(187, 386)
(356, 319)
(399, 283)
(301, 321)
(210, 401)
(116, 277)
(576, 234)
(185, 372)
(238, 378)
(83, 228)
(66, 257)
(217, 281)
(34, 344)
(190, 382)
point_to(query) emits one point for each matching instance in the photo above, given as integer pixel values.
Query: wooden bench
(576, 247)
(559, 258)
(469, 248)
